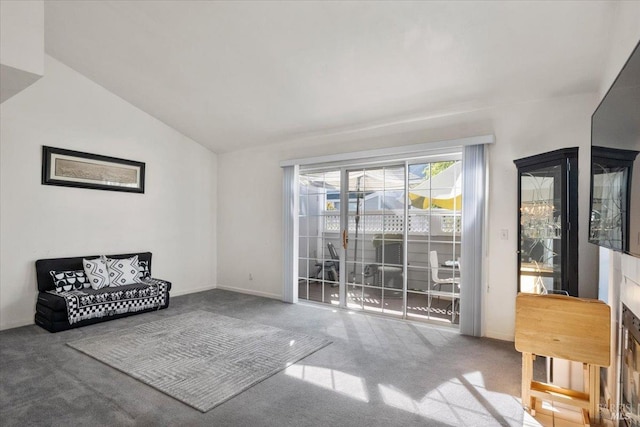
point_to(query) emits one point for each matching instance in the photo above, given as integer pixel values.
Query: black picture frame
(69, 168)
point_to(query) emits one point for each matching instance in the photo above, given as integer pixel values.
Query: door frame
(344, 170)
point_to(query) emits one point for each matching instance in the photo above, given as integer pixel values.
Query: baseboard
(250, 292)
(17, 324)
(176, 293)
(499, 336)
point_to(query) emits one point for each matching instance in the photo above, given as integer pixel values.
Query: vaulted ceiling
(232, 75)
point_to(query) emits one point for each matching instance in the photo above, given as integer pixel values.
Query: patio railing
(376, 222)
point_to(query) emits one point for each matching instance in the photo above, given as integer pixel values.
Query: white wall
(22, 35)
(625, 34)
(175, 218)
(529, 129)
(250, 222)
(21, 45)
(250, 229)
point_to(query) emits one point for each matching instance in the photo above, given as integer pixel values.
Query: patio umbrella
(443, 190)
(367, 180)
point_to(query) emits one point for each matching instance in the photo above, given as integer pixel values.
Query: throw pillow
(143, 266)
(69, 280)
(123, 271)
(96, 271)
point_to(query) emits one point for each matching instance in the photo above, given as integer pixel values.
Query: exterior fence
(389, 222)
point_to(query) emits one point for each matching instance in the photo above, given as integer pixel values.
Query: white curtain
(290, 233)
(474, 193)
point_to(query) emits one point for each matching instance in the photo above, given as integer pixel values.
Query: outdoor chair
(329, 270)
(438, 282)
(387, 271)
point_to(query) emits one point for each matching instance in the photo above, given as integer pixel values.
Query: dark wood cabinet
(548, 222)
(610, 222)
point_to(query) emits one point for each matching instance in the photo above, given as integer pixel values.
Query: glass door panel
(541, 230)
(319, 236)
(433, 245)
(374, 256)
(548, 222)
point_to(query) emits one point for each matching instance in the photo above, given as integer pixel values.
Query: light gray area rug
(200, 358)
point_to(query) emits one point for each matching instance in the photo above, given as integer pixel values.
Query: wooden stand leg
(533, 406)
(594, 392)
(527, 377)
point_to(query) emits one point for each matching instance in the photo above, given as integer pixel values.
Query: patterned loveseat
(64, 307)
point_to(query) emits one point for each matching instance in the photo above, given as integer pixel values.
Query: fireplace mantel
(621, 286)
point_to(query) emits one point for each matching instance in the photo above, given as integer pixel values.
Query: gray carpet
(200, 358)
(376, 373)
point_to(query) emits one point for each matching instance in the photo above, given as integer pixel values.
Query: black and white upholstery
(144, 266)
(69, 280)
(58, 310)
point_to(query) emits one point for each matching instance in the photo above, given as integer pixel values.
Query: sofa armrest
(163, 280)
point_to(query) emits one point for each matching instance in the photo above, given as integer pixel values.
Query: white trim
(250, 292)
(176, 293)
(499, 336)
(344, 227)
(452, 153)
(381, 316)
(290, 224)
(381, 153)
(173, 293)
(405, 244)
(17, 324)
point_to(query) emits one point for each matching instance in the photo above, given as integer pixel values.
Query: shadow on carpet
(200, 358)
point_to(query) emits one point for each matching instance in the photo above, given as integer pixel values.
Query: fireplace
(630, 369)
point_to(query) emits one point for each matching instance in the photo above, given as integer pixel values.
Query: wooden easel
(566, 328)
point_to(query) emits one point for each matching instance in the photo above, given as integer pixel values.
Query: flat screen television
(614, 220)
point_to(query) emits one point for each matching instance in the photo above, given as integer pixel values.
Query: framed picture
(70, 168)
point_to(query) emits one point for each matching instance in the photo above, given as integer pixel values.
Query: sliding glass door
(386, 238)
(433, 241)
(376, 214)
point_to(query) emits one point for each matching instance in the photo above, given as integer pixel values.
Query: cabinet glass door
(548, 222)
(541, 230)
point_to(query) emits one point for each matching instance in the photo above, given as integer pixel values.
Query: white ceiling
(232, 75)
